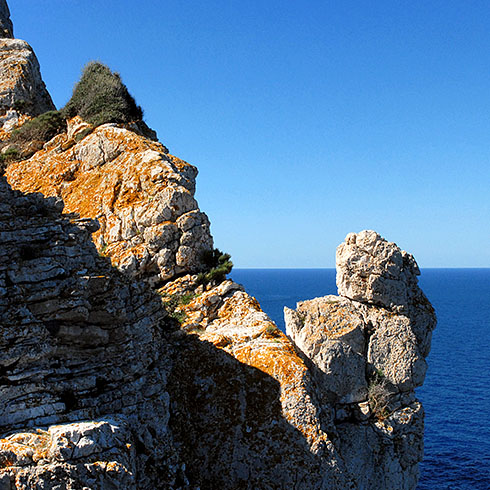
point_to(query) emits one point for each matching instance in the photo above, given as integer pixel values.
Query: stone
(6, 28)
(108, 382)
(375, 271)
(143, 198)
(330, 332)
(22, 90)
(97, 454)
(367, 347)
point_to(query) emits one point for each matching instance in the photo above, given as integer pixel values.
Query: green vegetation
(172, 302)
(217, 264)
(101, 97)
(272, 330)
(378, 395)
(31, 136)
(42, 128)
(9, 155)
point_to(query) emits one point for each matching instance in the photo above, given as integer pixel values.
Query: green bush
(41, 128)
(10, 155)
(378, 395)
(217, 264)
(172, 302)
(101, 97)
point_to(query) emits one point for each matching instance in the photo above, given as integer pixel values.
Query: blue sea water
(456, 392)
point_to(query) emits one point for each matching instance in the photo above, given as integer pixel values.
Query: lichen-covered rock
(22, 90)
(77, 339)
(6, 28)
(98, 454)
(106, 382)
(331, 332)
(368, 346)
(142, 197)
(373, 270)
(251, 417)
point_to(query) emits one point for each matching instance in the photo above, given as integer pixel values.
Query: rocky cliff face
(22, 90)
(142, 197)
(119, 369)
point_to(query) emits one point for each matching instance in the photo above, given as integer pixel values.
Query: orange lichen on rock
(132, 186)
(24, 447)
(234, 322)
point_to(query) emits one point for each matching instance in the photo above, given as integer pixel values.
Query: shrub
(378, 395)
(10, 155)
(172, 302)
(272, 330)
(101, 97)
(217, 264)
(41, 128)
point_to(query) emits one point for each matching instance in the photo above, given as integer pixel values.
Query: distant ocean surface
(456, 393)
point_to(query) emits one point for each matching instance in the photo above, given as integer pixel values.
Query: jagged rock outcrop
(6, 27)
(107, 382)
(369, 346)
(77, 341)
(22, 90)
(101, 391)
(142, 197)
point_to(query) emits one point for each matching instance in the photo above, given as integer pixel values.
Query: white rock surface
(369, 345)
(373, 270)
(22, 89)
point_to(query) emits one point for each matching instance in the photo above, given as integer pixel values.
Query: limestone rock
(369, 345)
(331, 332)
(143, 197)
(6, 28)
(22, 90)
(97, 454)
(385, 454)
(77, 341)
(394, 350)
(372, 270)
(106, 382)
(90, 364)
(252, 417)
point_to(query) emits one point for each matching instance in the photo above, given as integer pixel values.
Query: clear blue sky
(306, 119)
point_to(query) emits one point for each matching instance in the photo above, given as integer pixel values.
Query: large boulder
(372, 270)
(143, 197)
(331, 332)
(367, 349)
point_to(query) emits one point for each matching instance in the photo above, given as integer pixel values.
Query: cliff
(22, 91)
(121, 367)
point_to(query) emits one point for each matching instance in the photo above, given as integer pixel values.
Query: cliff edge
(128, 361)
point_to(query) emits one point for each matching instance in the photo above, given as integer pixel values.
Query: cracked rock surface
(142, 197)
(368, 346)
(120, 369)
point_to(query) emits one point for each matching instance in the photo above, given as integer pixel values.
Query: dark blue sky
(307, 120)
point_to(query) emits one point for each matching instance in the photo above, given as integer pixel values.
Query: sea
(456, 392)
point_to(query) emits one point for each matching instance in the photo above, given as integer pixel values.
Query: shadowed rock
(6, 27)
